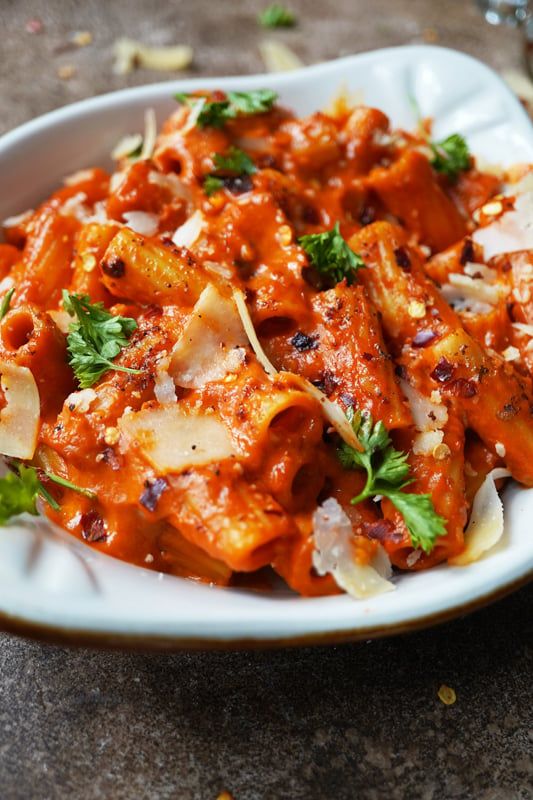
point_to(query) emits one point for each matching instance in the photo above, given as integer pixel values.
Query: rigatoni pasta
(272, 342)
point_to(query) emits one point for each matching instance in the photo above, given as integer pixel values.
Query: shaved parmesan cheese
(523, 328)
(164, 388)
(18, 219)
(219, 269)
(117, 179)
(248, 325)
(130, 53)
(333, 536)
(426, 442)
(511, 232)
(511, 353)
(475, 270)
(172, 440)
(150, 134)
(427, 416)
(188, 233)
(6, 284)
(62, 319)
(81, 401)
(485, 527)
(141, 222)
(277, 57)
(212, 343)
(413, 557)
(126, 146)
(75, 207)
(78, 177)
(170, 182)
(19, 418)
(462, 289)
(331, 411)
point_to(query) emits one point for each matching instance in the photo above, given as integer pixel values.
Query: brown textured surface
(358, 721)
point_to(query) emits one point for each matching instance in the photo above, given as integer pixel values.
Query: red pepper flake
(423, 338)
(152, 492)
(93, 527)
(443, 372)
(467, 253)
(34, 25)
(327, 383)
(463, 388)
(115, 267)
(400, 371)
(383, 530)
(367, 215)
(402, 258)
(507, 412)
(302, 342)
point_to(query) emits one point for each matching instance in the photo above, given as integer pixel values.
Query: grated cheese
(277, 57)
(130, 53)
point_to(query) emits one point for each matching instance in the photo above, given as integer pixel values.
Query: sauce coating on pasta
(269, 331)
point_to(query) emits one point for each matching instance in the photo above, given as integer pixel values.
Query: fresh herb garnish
(215, 113)
(95, 338)
(19, 492)
(331, 256)
(276, 16)
(450, 156)
(212, 184)
(69, 485)
(234, 163)
(6, 302)
(387, 473)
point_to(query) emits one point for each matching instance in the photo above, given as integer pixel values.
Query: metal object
(510, 12)
(528, 44)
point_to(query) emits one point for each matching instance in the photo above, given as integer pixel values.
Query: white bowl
(52, 585)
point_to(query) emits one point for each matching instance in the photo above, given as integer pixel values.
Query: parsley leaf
(95, 338)
(234, 163)
(450, 156)
(212, 184)
(330, 255)
(19, 492)
(6, 302)
(388, 474)
(215, 113)
(421, 519)
(275, 16)
(258, 101)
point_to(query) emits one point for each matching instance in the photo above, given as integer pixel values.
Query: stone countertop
(358, 721)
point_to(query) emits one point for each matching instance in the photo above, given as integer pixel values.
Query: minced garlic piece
(500, 449)
(416, 309)
(511, 353)
(111, 436)
(66, 72)
(284, 236)
(88, 262)
(447, 695)
(82, 38)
